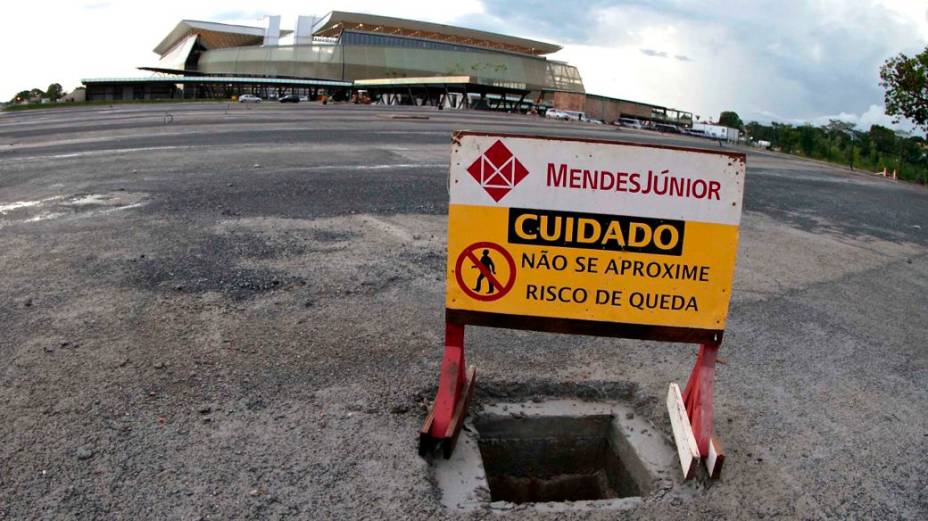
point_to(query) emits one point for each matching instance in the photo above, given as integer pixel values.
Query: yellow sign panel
(585, 281)
(592, 233)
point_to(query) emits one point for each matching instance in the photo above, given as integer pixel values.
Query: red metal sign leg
(451, 380)
(455, 388)
(698, 396)
(691, 382)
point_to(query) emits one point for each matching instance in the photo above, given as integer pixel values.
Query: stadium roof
(249, 80)
(213, 35)
(335, 22)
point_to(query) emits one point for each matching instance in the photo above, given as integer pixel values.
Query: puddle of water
(76, 206)
(16, 205)
(90, 199)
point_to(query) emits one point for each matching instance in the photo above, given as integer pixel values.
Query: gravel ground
(238, 315)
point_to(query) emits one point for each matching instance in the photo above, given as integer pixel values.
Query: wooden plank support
(460, 412)
(715, 458)
(682, 432)
(427, 444)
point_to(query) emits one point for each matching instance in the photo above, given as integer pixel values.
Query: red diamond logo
(497, 171)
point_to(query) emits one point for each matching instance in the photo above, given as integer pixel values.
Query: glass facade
(561, 76)
(359, 56)
(304, 61)
(386, 40)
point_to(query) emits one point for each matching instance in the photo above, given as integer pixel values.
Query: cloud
(562, 22)
(800, 59)
(874, 115)
(111, 39)
(652, 52)
(238, 15)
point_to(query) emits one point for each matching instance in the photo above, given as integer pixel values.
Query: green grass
(40, 106)
(905, 171)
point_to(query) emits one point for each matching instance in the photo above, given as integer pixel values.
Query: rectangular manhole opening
(553, 458)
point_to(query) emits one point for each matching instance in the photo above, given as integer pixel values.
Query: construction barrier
(590, 237)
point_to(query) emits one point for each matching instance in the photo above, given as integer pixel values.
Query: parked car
(670, 129)
(628, 122)
(249, 98)
(575, 115)
(556, 114)
(289, 98)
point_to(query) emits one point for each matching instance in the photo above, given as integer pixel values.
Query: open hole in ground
(554, 456)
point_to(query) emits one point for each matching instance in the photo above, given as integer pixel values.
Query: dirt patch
(212, 264)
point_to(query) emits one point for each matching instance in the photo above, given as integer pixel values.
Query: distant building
(393, 60)
(341, 47)
(609, 109)
(353, 46)
(77, 95)
(717, 131)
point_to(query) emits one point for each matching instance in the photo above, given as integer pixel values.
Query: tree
(883, 139)
(841, 142)
(842, 137)
(22, 95)
(760, 132)
(906, 85)
(730, 119)
(54, 92)
(837, 126)
(807, 139)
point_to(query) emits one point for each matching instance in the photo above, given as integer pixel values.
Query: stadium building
(390, 60)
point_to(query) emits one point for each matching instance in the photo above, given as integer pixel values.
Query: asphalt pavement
(226, 311)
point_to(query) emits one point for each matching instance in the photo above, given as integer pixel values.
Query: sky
(784, 60)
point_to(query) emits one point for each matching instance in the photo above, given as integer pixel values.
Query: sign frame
(691, 412)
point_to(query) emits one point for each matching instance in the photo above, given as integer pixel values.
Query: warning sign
(604, 237)
(484, 269)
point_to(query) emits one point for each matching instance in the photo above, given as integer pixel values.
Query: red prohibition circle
(469, 253)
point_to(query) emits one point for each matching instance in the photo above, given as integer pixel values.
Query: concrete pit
(555, 455)
(555, 458)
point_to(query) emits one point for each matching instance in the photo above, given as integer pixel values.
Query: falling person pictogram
(488, 263)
